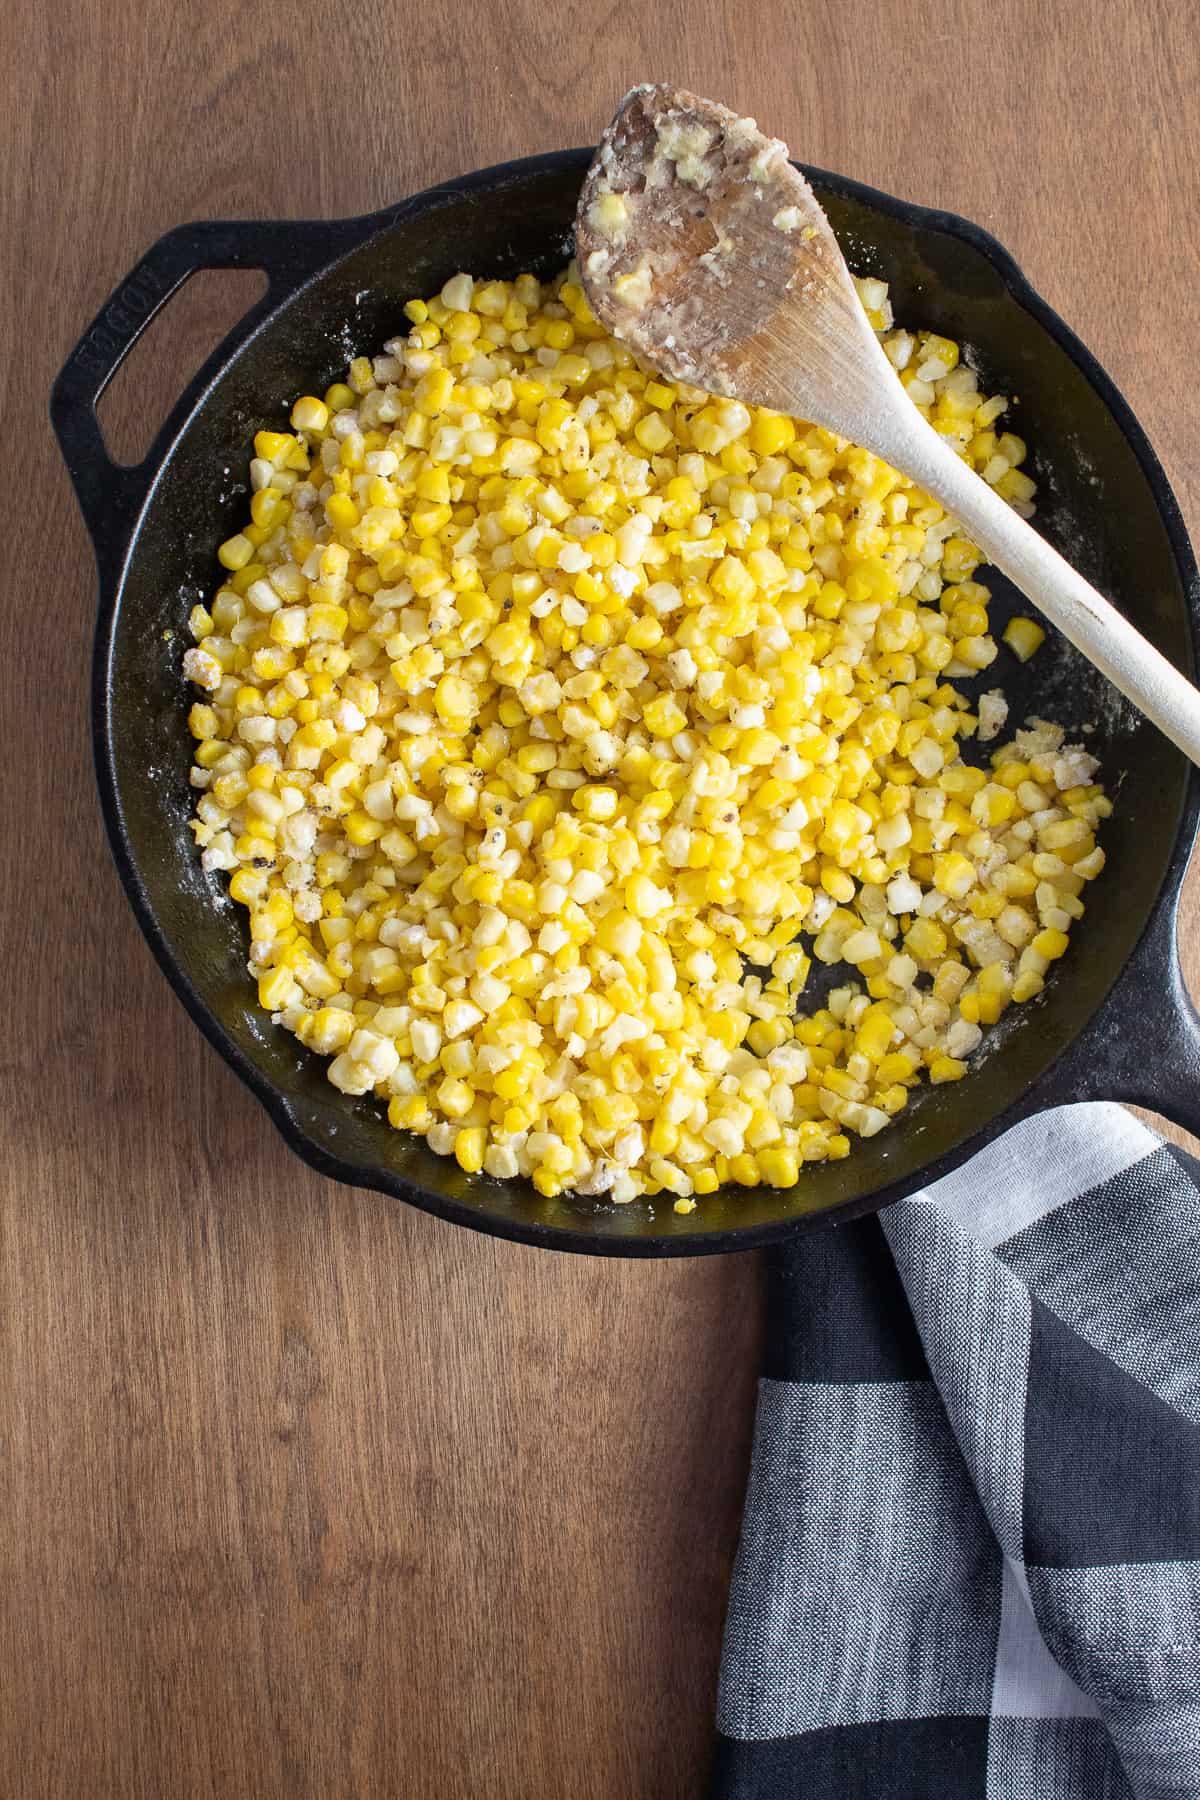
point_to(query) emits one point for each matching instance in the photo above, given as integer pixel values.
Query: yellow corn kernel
(276, 988)
(766, 1035)
(361, 828)
(597, 803)
(733, 581)
(895, 1067)
(410, 1112)
(455, 1098)
(310, 414)
(433, 484)
(455, 702)
(745, 1171)
(1023, 637)
(246, 886)
(953, 875)
(274, 446)
(779, 1167)
(875, 1032)
(925, 939)
(236, 552)
(653, 433)
(469, 1146)
(664, 1137)
(433, 392)
(664, 717)
(341, 512)
(329, 1030)
(362, 376)
(770, 433)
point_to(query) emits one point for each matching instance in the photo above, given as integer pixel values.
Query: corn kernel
(469, 1146)
(1024, 637)
(310, 414)
(235, 552)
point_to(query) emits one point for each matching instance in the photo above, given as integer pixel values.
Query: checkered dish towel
(970, 1559)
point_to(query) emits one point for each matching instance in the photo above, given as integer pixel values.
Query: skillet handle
(1143, 1046)
(110, 494)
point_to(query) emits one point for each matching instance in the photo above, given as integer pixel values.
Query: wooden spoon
(707, 253)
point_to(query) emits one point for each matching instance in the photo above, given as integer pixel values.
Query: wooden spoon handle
(1091, 622)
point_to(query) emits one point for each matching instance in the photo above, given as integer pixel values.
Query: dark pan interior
(1096, 503)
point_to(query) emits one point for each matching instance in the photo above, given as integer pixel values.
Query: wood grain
(303, 1495)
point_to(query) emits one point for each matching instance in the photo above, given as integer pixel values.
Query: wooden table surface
(303, 1494)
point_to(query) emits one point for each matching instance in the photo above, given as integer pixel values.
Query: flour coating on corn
(547, 704)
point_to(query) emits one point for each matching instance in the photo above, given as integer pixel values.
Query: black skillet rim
(1160, 918)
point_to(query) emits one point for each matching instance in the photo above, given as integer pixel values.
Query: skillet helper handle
(1143, 1046)
(1160, 1056)
(1182, 1103)
(110, 493)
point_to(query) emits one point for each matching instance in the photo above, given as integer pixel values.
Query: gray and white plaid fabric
(970, 1557)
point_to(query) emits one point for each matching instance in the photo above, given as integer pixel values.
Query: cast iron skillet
(1115, 1022)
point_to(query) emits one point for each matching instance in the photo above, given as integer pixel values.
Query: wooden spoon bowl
(708, 253)
(696, 237)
